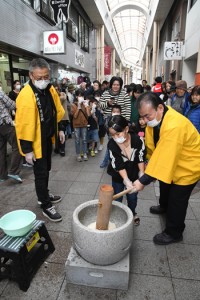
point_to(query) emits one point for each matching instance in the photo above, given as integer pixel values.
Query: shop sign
(173, 51)
(107, 60)
(79, 59)
(60, 7)
(53, 42)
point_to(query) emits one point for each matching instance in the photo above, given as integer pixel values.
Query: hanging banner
(107, 60)
(173, 50)
(53, 42)
(60, 9)
(79, 59)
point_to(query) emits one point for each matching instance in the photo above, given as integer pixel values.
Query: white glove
(129, 185)
(140, 174)
(30, 158)
(61, 137)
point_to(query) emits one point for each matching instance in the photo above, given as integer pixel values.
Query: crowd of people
(152, 131)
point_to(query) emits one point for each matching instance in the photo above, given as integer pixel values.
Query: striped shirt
(6, 106)
(122, 99)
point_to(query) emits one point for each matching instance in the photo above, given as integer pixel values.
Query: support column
(128, 76)
(197, 75)
(158, 49)
(97, 55)
(102, 53)
(143, 70)
(113, 63)
(155, 29)
(148, 64)
(120, 69)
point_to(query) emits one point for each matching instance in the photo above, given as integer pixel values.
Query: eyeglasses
(46, 77)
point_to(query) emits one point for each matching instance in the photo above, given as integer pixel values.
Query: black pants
(41, 169)
(8, 134)
(174, 198)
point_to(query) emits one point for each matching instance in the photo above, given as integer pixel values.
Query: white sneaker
(96, 151)
(79, 158)
(85, 157)
(100, 147)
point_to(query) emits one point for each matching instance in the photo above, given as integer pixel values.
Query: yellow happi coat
(176, 157)
(27, 119)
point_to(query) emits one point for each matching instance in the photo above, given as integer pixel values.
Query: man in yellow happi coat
(173, 151)
(38, 113)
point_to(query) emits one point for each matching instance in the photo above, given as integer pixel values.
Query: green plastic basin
(17, 222)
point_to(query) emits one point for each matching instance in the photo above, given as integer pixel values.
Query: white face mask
(120, 140)
(41, 84)
(115, 114)
(18, 87)
(153, 123)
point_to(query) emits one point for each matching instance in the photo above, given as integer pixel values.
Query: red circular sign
(53, 39)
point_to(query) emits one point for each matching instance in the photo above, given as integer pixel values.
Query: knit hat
(181, 84)
(71, 88)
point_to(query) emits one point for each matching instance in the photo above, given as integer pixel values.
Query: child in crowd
(127, 152)
(140, 127)
(80, 111)
(116, 110)
(92, 134)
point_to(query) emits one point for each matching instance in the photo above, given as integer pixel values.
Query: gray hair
(38, 63)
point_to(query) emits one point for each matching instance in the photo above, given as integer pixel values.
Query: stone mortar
(102, 247)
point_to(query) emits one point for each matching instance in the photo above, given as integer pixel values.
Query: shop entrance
(21, 75)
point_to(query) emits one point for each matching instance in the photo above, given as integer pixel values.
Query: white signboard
(79, 59)
(53, 42)
(173, 50)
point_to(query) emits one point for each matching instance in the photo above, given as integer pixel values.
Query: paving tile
(144, 206)
(148, 227)
(148, 193)
(62, 242)
(92, 168)
(46, 284)
(89, 177)
(19, 197)
(190, 214)
(3, 284)
(184, 261)
(58, 187)
(78, 292)
(186, 289)
(66, 175)
(83, 188)
(63, 226)
(195, 209)
(146, 287)
(191, 233)
(106, 178)
(148, 258)
(71, 201)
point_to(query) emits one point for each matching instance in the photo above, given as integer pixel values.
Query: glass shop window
(5, 74)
